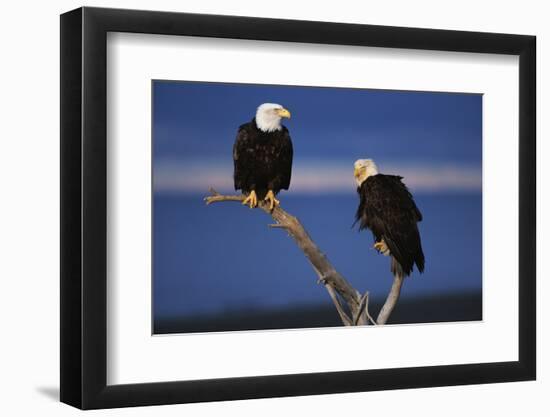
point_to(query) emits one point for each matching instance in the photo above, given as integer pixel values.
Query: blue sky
(433, 139)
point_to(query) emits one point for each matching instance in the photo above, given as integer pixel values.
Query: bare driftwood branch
(336, 285)
(334, 296)
(364, 307)
(391, 300)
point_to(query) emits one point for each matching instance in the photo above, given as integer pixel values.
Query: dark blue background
(220, 266)
(200, 120)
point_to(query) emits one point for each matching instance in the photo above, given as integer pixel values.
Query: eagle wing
(285, 161)
(240, 154)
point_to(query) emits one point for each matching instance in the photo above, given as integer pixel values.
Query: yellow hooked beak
(283, 113)
(356, 172)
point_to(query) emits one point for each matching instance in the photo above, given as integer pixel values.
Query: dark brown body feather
(387, 209)
(262, 160)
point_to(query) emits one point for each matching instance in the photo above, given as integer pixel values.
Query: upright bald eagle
(387, 209)
(262, 156)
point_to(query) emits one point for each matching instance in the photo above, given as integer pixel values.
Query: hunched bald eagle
(262, 156)
(387, 209)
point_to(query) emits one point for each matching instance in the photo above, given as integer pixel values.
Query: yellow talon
(382, 248)
(251, 200)
(273, 202)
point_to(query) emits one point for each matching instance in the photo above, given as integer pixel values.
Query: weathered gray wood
(391, 300)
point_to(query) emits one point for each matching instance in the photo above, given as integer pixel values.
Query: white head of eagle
(362, 169)
(269, 115)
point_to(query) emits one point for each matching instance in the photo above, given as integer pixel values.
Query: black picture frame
(84, 207)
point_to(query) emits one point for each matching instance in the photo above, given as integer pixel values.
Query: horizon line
(314, 176)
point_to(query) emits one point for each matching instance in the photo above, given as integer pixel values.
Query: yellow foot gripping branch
(251, 200)
(273, 202)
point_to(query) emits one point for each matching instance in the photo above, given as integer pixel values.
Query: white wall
(29, 174)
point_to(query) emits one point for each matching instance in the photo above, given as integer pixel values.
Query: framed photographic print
(246, 199)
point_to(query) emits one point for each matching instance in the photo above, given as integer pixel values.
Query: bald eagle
(387, 209)
(262, 156)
